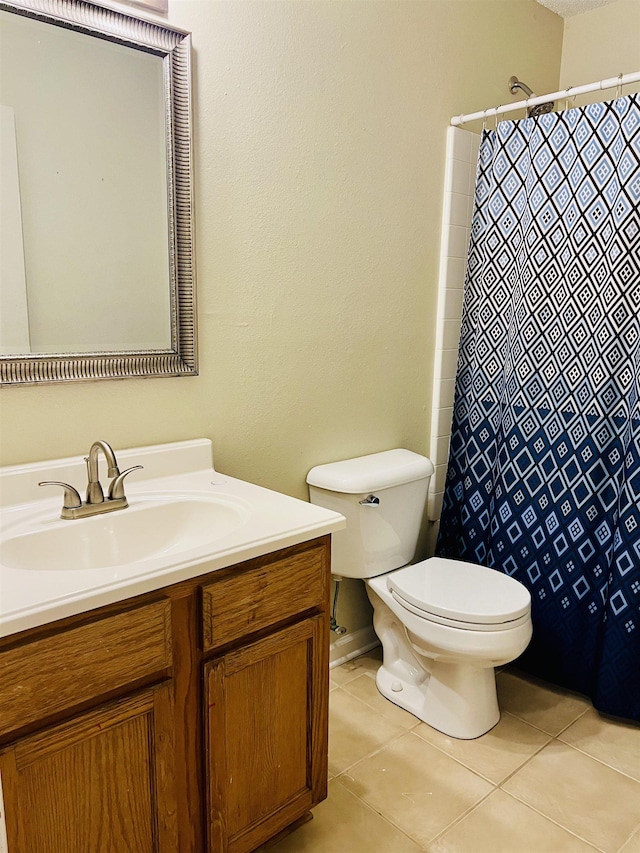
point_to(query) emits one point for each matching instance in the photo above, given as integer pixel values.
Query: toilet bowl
(457, 621)
(444, 625)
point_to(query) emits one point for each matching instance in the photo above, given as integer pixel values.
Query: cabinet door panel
(263, 736)
(103, 782)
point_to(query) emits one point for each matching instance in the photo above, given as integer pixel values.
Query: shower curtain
(543, 480)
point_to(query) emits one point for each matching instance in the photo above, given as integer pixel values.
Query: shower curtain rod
(610, 83)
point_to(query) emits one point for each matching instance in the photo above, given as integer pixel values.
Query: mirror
(96, 229)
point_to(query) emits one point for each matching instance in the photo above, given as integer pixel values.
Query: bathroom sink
(151, 528)
(184, 519)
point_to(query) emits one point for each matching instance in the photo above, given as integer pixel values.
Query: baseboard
(352, 645)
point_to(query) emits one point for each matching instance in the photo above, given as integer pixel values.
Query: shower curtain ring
(566, 97)
(498, 119)
(619, 86)
(484, 120)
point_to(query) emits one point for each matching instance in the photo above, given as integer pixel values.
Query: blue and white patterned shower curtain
(544, 470)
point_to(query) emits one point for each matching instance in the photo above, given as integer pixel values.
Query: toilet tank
(383, 497)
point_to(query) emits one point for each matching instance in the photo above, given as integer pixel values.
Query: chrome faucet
(96, 503)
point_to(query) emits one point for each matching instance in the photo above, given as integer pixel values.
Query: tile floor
(552, 777)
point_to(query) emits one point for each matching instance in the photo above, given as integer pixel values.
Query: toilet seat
(462, 595)
(459, 623)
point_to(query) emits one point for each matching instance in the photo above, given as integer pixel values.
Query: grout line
(551, 820)
(416, 721)
(627, 840)
(599, 760)
(370, 808)
(463, 815)
(375, 751)
(478, 772)
(524, 763)
(391, 822)
(562, 731)
(539, 728)
(355, 673)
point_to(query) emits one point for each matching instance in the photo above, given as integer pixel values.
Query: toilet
(443, 624)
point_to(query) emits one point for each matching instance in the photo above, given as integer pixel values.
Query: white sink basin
(150, 528)
(184, 519)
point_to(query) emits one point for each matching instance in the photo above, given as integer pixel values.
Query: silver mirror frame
(174, 48)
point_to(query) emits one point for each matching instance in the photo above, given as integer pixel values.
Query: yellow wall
(319, 153)
(319, 147)
(599, 44)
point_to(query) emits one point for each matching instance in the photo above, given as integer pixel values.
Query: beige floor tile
(501, 824)
(612, 741)
(633, 844)
(588, 798)
(495, 755)
(364, 688)
(547, 707)
(368, 662)
(355, 730)
(415, 786)
(344, 823)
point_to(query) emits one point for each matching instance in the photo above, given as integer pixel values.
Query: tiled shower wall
(460, 172)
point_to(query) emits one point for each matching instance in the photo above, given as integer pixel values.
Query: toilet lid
(460, 591)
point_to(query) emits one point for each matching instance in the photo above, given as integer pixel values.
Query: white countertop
(33, 597)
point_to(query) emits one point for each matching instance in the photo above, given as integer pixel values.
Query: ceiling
(567, 8)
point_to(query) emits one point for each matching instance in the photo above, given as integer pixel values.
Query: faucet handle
(72, 499)
(116, 486)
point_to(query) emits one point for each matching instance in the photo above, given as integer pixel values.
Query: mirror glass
(96, 254)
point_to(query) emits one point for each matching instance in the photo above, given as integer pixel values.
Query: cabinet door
(266, 735)
(102, 782)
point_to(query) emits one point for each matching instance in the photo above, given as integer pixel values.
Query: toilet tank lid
(372, 472)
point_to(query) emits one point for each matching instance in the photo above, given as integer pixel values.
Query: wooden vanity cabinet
(190, 719)
(266, 698)
(87, 772)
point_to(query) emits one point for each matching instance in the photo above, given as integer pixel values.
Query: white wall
(459, 190)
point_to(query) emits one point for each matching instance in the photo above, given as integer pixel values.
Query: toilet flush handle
(370, 500)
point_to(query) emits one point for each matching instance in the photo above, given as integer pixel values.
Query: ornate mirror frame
(173, 47)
